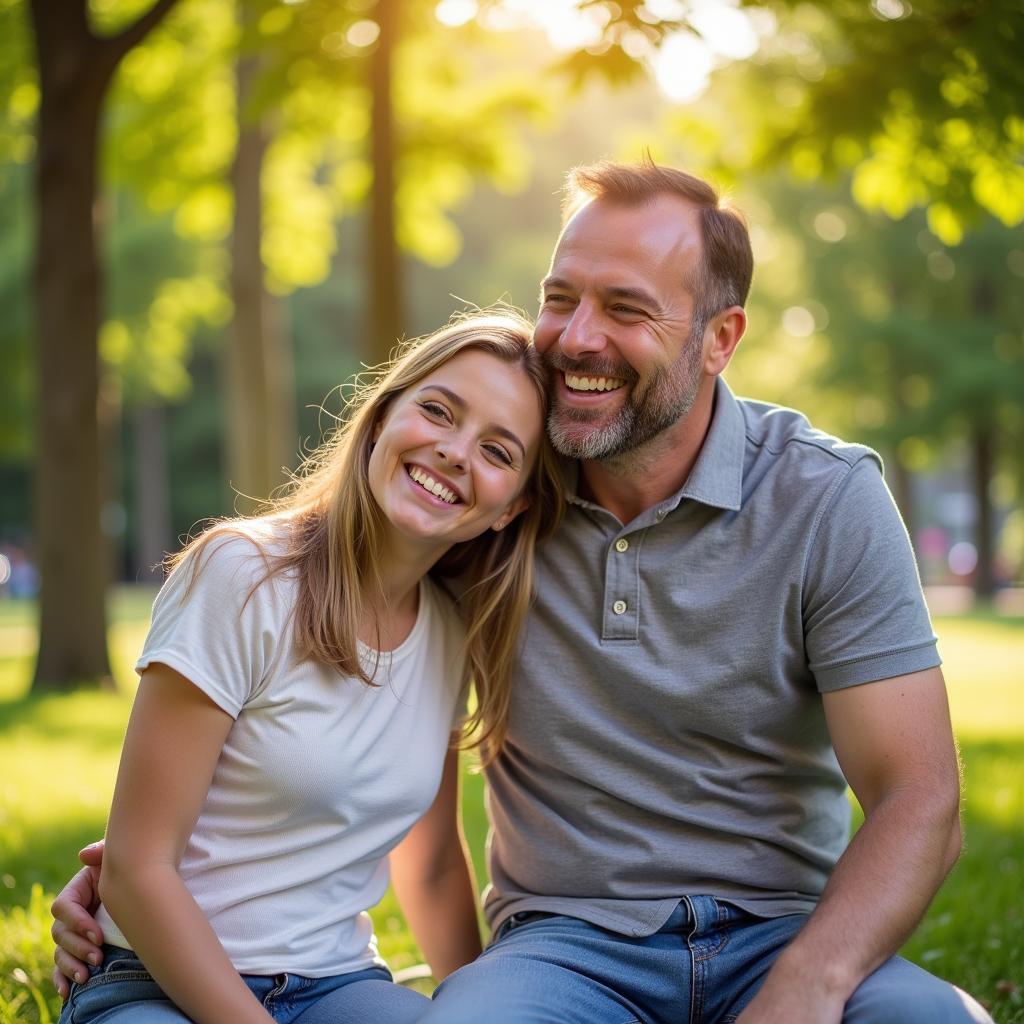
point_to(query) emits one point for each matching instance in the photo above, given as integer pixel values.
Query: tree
(920, 105)
(312, 87)
(75, 69)
(910, 345)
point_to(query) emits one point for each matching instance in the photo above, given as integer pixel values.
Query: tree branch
(115, 47)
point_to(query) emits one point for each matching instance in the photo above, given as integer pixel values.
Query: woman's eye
(435, 409)
(499, 453)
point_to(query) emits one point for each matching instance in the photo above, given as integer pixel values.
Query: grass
(58, 758)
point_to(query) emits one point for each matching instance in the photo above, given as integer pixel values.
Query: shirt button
(622, 544)
(619, 607)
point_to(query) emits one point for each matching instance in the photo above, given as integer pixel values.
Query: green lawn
(58, 757)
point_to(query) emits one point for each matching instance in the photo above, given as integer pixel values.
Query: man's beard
(667, 398)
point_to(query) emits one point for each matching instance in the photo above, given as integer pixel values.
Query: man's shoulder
(774, 431)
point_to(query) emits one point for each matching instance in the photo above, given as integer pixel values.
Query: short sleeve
(213, 621)
(865, 616)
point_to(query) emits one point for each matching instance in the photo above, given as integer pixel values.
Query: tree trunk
(386, 319)
(902, 483)
(258, 364)
(71, 550)
(70, 545)
(75, 68)
(983, 303)
(982, 452)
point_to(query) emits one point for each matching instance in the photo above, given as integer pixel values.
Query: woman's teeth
(428, 483)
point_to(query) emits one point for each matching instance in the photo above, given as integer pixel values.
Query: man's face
(616, 325)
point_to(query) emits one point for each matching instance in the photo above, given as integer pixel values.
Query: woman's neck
(391, 600)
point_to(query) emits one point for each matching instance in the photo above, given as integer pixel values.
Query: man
(729, 628)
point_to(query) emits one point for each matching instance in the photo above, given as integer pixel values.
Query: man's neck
(629, 484)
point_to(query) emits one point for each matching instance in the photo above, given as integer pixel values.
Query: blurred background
(213, 212)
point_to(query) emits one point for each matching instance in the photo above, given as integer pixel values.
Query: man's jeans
(122, 991)
(702, 967)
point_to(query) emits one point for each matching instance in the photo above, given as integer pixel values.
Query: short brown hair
(727, 262)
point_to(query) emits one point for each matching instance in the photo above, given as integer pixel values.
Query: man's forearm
(441, 912)
(878, 892)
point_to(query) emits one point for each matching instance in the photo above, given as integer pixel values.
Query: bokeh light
(963, 558)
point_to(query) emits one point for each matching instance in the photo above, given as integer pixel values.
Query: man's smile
(592, 383)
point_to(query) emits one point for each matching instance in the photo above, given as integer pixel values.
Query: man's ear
(723, 335)
(516, 508)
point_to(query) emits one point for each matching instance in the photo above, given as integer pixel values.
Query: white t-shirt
(320, 775)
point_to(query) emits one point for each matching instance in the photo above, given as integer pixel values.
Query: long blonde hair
(335, 527)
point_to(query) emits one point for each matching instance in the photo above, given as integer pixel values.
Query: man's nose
(583, 334)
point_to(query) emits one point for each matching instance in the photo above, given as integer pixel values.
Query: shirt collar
(717, 476)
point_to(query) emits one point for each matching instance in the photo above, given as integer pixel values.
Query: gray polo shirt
(667, 735)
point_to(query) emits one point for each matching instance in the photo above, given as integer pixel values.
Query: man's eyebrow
(458, 401)
(637, 295)
(555, 282)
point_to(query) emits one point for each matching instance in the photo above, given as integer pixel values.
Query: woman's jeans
(703, 967)
(122, 991)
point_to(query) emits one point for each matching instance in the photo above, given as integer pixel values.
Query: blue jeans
(123, 991)
(703, 967)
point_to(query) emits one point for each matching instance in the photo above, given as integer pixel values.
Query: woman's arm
(434, 883)
(174, 739)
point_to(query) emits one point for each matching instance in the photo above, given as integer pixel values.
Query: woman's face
(454, 451)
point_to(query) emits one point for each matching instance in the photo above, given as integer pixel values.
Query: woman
(300, 681)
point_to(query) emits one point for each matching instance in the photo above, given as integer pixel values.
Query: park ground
(58, 758)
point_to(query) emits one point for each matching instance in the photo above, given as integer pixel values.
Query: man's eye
(628, 310)
(554, 300)
(499, 453)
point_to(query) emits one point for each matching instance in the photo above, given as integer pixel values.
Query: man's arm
(895, 746)
(75, 931)
(433, 881)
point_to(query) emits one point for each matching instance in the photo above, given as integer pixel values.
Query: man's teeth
(428, 483)
(593, 383)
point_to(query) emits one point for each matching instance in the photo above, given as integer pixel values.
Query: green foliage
(19, 90)
(26, 993)
(923, 101)
(883, 333)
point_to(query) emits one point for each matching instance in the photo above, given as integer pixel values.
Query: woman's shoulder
(243, 552)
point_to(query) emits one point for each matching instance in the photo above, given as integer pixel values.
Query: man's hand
(786, 1000)
(75, 931)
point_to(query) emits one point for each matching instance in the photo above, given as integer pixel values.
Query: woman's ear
(516, 508)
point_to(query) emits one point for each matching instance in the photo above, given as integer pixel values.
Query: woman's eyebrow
(495, 428)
